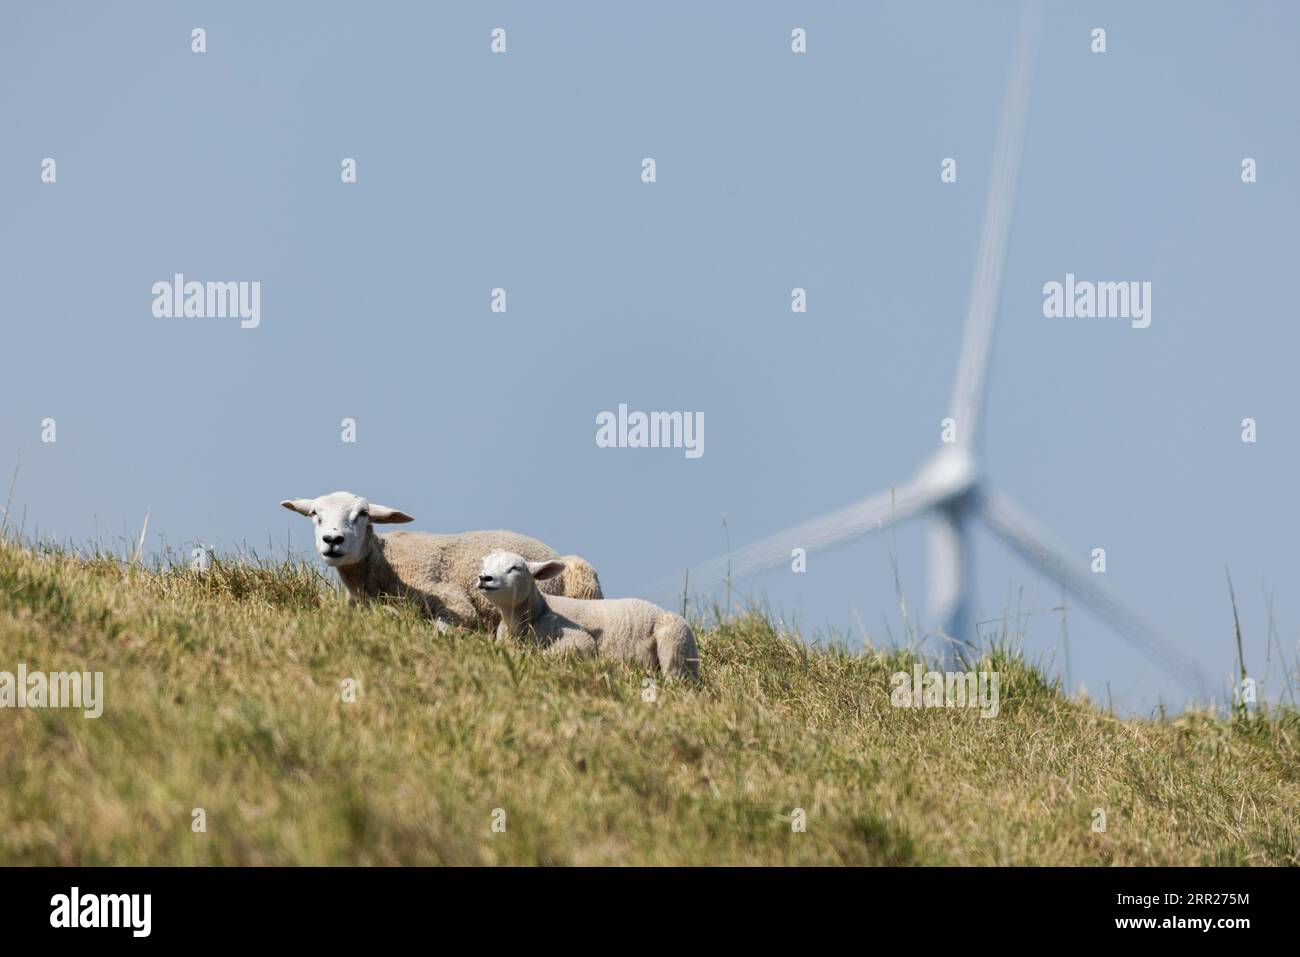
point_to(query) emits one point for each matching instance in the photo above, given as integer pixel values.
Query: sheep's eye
(517, 568)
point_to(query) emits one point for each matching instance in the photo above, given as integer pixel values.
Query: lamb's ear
(300, 505)
(544, 570)
(382, 514)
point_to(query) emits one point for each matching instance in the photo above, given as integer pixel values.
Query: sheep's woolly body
(626, 628)
(440, 572)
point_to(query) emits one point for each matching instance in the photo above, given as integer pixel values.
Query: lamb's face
(341, 520)
(506, 578)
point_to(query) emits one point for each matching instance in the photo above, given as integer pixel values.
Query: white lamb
(437, 571)
(626, 628)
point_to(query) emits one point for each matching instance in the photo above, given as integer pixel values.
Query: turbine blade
(967, 403)
(1015, 528)
(868, 515)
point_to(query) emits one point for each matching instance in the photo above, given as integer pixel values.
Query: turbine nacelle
(949, 477)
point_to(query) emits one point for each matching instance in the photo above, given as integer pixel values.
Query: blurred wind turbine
(949, 488)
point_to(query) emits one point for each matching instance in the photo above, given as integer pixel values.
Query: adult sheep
(439, 572)
(626, 628)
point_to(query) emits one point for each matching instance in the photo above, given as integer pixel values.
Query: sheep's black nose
(332, 539)
(485, 579)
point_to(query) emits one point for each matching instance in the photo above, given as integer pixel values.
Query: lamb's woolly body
(625, 628)
(440, 572)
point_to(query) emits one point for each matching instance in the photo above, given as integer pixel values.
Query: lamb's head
(507, 579)
(341, 520)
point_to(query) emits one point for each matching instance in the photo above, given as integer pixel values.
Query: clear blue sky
(774, 171)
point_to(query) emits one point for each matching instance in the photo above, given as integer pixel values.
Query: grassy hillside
(223, 693)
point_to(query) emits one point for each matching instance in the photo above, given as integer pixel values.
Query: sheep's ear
(382, 514)
(300, 505)
(544, 570)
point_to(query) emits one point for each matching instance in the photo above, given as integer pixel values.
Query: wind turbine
(949, 488)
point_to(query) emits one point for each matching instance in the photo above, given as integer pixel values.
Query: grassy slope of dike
(223, 693)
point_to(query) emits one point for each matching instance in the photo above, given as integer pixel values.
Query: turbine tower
(949, 488)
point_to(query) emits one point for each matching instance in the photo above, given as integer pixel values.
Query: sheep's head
(341, 520)
(507, 579)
